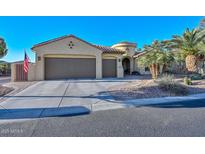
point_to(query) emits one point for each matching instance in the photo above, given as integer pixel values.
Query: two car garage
(63, 68)
(71, 57)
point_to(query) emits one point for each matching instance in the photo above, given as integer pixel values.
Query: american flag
(25, 63)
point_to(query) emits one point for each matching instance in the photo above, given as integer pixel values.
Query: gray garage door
(109, 68)
(63, 68)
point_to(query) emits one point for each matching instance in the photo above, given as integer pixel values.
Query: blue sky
(23, 32)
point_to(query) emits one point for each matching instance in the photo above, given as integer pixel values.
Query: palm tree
(202, 24)
(148, 60)
(165, 58)
(189, 45)
(3, 48)
(155, 55)
(179, 60)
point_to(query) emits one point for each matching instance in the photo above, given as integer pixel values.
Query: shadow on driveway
(108, 80)
(28, 113)
(105, 96)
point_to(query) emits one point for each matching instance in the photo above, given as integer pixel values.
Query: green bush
(168, 84)
(187, 81)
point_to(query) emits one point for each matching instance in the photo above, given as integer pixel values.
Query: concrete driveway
(62, 97)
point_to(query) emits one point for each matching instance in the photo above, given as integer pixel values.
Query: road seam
(68, 84)
(38, 120)
(91, 105)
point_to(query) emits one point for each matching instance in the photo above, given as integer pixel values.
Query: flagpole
(26, 62)
(24, 52)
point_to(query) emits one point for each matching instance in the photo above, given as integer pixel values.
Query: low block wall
(18, 74)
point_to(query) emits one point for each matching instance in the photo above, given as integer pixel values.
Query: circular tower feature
(124, 45)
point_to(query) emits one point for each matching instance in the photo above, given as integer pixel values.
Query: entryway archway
(126, 65)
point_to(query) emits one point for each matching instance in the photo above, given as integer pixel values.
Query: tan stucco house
(72, 57)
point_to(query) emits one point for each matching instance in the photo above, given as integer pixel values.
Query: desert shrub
(187, 81)
(166, 78)
(168, 84)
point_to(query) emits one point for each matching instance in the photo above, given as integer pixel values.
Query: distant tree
(202, 24)
(3, 48)
(4, 68)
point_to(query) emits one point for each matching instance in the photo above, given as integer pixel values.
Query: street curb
(163, 100)
(147, 102)
(65, 111)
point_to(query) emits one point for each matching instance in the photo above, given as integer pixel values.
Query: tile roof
(138, 54)
(106, 49)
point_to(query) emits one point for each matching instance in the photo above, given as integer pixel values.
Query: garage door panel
(62, 68)
(109, 68)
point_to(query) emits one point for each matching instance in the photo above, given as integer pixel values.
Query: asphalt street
(173, 120)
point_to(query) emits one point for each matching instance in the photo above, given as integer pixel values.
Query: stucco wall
(61, 47)
(120, 70)
(31, 72)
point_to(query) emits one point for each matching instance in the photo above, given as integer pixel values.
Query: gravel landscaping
(147, 88)
(5, 90)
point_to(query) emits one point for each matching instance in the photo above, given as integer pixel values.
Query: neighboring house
(72, 57)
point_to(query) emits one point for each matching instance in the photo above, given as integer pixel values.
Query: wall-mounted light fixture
(39, 58)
